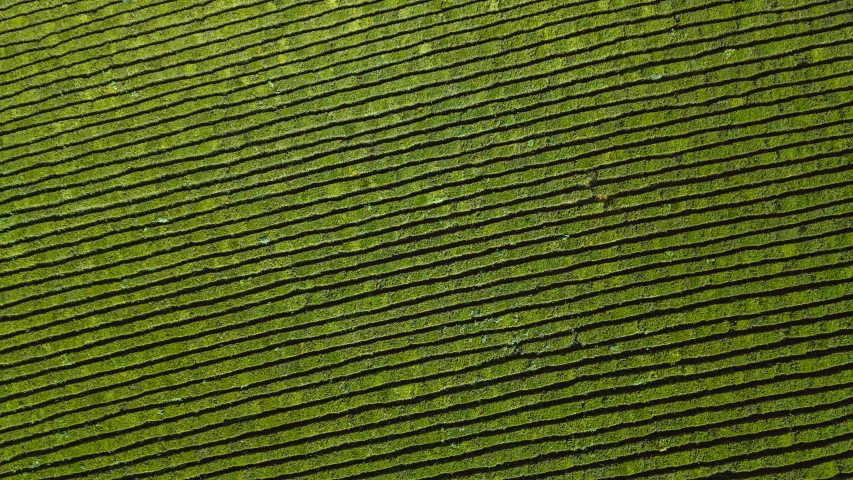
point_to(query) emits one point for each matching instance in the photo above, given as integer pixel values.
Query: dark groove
(482, 350)
(56, 19)
(769, 470)
(295, 102)
(91, 31)
(625, 354)
(251, 85)
(242, 48)
(316, 275)
(618, 147)
(460, 378)
(407, 210)
(636, 301)
(492, 417)
(743, 281)
(515, 262)
(284, 330)
(728, 474)
(437, 394)
(707, 6)
(652, 453)
(266, 69)
(306, 308)
(506, 413)
(88, 31)
(762, 453)
(91, 74)
(438, 460)
(209, 270)
(421, 331)
(551, 438)
(35, 10)
(256, 185)
(544, 149)
(422, 87)
(620, 355)
(524, 230)
(164, 178)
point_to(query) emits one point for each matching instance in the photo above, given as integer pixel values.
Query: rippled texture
(422, 239)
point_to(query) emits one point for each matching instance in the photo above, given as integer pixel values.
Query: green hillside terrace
(426, 239)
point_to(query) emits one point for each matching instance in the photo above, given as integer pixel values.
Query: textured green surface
(426, 239)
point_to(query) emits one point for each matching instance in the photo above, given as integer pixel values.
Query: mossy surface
(426, 239)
